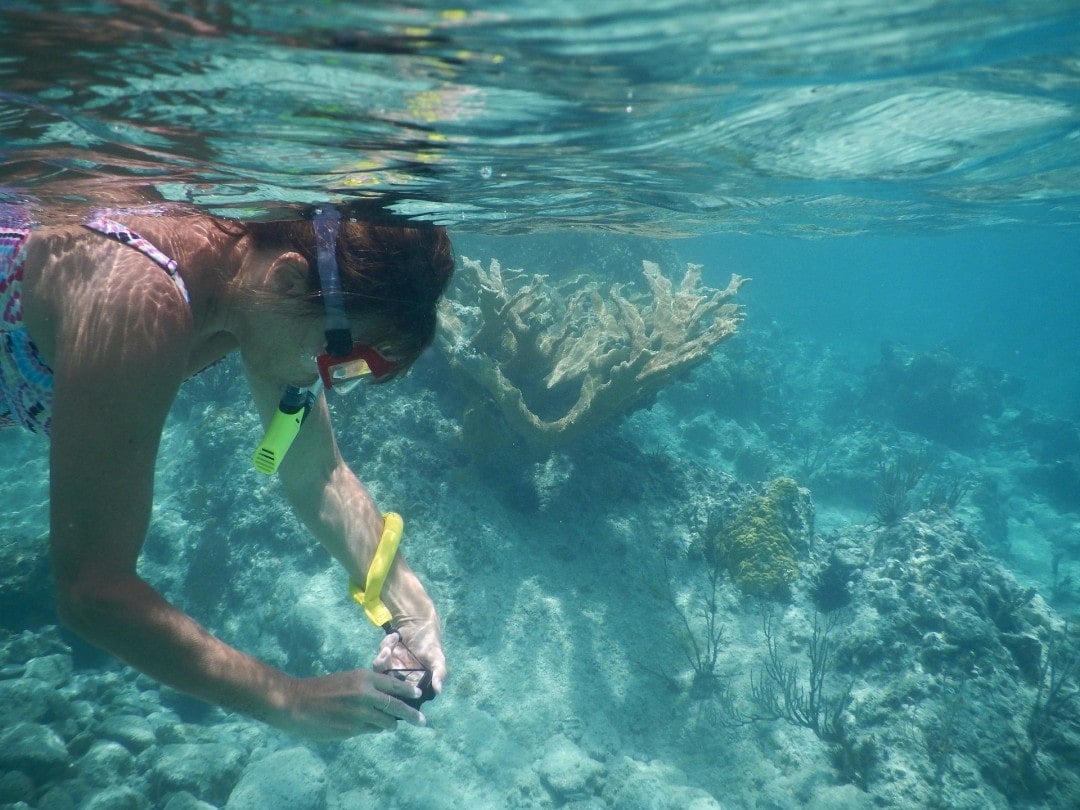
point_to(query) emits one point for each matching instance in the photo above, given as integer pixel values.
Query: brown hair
(391, 276)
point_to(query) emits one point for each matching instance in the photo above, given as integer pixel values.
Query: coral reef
(760, 547)
(556, 360)
(906, 666)
(936, 395)
(953, 627)
(922, 667)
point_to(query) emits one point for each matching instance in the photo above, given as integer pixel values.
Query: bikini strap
(124, 235)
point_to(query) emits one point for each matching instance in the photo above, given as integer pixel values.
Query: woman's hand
(413, 642)
(334, 707)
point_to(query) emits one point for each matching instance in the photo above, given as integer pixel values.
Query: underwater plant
(782, 695)
(1063, 588)
(947, 493)
(696, 631)
(701, 635)
(896, 480)
(552, 361)
(1057, 696)
(940, 736)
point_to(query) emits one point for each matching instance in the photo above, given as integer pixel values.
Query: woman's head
(391, 276)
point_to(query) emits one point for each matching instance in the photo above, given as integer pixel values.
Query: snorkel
(296, 402)
(338, 333)
(293, 408)
(341, 366)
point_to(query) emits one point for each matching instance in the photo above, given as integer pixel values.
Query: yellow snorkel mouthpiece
(292, 410)
(368, 597)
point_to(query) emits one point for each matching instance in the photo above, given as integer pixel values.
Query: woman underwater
(104, 319)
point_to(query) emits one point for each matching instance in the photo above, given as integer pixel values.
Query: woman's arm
(120, 358)
(337, 509)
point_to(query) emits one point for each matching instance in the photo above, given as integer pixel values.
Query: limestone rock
(185, 801)
(117, 797)
(24, 700)
(15, 787)
(35, 750)
(568, 772)
(294, 778)
(207, 770)
(132, 731)
(106, 763)
(54, 670)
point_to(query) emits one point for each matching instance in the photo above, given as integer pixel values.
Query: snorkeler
(102, 320)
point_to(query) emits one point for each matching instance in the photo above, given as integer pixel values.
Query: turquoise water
(900, 184)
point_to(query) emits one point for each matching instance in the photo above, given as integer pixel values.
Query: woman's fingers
(384, 656)
(348, 703)
(438, 675)
(392, 691)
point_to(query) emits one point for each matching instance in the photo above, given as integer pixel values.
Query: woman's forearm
(132, 621)
(344, 518)
(405, 596)
(341, 514)
(129, 619)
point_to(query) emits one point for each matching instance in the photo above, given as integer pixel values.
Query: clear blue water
(1003, 297)
(904, 173)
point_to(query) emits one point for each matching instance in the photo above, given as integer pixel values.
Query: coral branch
(556, 360)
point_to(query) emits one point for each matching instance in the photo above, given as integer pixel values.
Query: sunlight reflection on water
(680, 117)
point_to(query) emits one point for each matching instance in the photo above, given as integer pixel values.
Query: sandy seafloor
(560, 583)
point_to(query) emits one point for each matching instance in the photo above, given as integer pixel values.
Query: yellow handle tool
(415, 673)
(368, 597)
(294, 407)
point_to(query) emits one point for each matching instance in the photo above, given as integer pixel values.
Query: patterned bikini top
(124, 235)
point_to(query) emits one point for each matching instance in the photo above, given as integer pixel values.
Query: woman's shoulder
(102, 240)
(60, 249)
(77, 280)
